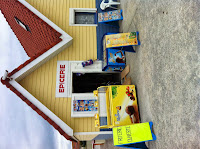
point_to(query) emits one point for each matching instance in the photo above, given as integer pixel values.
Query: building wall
(42, 82)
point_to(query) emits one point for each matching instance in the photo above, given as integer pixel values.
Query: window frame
(82, 96)
(72, 12)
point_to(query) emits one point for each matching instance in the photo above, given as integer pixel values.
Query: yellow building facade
(42, 82)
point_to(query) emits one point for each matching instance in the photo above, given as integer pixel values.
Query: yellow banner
(122, 39)
(124, 105)
(132, 133)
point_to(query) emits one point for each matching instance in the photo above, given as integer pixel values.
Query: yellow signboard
(120, 106)
(124, 105)
(130, 134)
(122, 39)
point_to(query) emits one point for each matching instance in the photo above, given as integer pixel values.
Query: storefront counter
(117, 106)
(113, 60)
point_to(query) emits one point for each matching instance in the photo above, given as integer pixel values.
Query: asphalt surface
(166, 69)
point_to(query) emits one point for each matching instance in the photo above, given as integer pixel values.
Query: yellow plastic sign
(124, 105)
(132, 134)
(122, 39)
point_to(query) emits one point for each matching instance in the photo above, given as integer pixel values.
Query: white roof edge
(42, 58)
(43, 108)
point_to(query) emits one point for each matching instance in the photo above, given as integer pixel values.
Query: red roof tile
(35, 42)
(41, 36)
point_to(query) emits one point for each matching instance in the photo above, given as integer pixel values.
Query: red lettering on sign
(62, 66)
(61, 86)
(62, 79)
(61, 90)
(62, 76)
(62, 71)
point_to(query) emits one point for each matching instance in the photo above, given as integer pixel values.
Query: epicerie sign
(62, 79)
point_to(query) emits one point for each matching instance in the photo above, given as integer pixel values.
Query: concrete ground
(166, 69)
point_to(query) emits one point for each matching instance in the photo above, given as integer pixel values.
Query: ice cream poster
(110, 16)
(125, 107)
(84, 105)
(116, 57)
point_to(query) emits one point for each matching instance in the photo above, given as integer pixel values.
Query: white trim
(82, 96)
(66, 42)
(72, 15)
(93, 133)
(44, 109)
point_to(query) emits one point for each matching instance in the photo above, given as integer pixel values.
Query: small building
(58, 36)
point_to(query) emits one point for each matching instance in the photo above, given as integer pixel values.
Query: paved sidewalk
(166, 68)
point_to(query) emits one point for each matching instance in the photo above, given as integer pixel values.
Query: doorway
(88, 82)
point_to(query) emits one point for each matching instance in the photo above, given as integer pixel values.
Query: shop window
(83, 105)
(83, 17)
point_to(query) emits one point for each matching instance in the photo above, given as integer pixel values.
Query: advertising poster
(124, 105)
(84, 105)
(130, 134)
(116, 57)
(110, 16)
(114, 60)
(122, 39)
(115, 68)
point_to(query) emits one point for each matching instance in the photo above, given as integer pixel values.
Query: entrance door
(88, 82)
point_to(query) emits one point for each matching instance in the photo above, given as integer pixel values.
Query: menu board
(110, 16)
(122, 39)
(84, 105)
(131, 134)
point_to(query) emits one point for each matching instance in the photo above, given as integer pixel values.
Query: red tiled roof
(41, 37)
(35, 42)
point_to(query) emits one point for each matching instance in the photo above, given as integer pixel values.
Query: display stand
(115, 43)
(122, 41)
(133, 136)
(113, 60)
(110, 17)
(117, 106)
